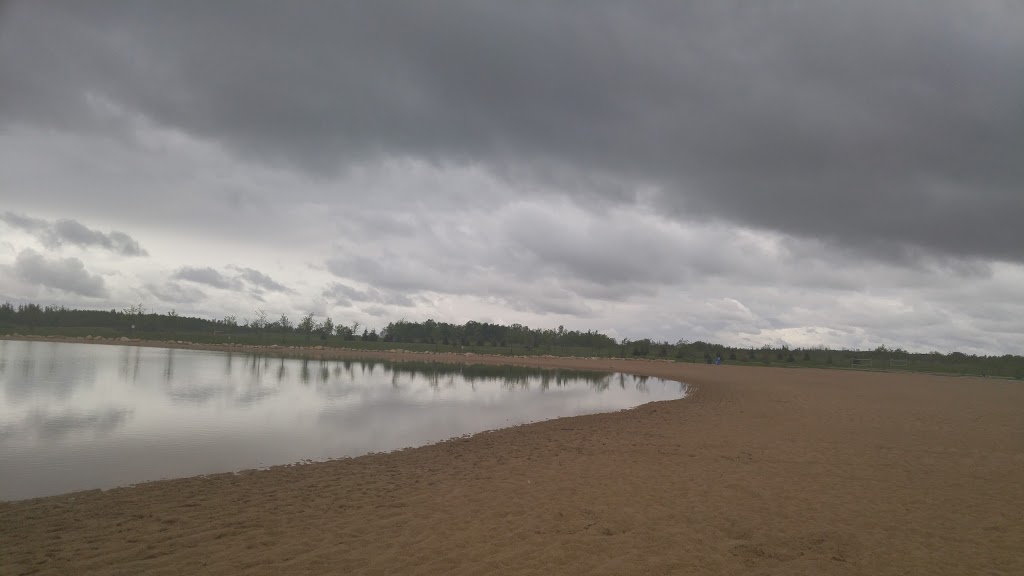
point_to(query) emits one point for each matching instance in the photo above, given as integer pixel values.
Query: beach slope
(759, 471)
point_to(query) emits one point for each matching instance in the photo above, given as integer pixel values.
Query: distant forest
(481, 337)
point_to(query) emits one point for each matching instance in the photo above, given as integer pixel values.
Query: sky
(845, 174)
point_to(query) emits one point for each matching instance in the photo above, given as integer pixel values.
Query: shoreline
(756, 470)
(532, 361)
(637, 365)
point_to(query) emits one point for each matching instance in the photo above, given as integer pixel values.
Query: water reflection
(75, 416)
(43, 425)
(169, 367)
(30, 372)
(282, 372)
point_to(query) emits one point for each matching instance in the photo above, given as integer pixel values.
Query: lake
(82, 416)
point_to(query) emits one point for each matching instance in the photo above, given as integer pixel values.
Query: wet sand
(759, 471)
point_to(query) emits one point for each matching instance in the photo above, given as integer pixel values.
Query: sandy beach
(759, 471)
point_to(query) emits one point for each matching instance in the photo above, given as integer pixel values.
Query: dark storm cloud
(60, 232)
(872, 124)
(65, 274)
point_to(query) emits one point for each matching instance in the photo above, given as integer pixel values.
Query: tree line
(137, 320)
(496, 335)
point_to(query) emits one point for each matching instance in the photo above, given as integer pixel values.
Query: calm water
(79, 416)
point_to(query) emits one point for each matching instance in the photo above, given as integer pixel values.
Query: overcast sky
(820, 172)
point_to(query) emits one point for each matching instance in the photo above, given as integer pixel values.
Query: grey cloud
(539, 257)
(207, 276)
(54, 234)
(398, 274)
(175, 292)
(344, 295)
(569, 261)
(337, 290)
(76, 233)
(339, 300)
(543, 302)
(874, 124)
(66, 274)
(24, 222)
(401, 277)
(260, 280)
(607, 249)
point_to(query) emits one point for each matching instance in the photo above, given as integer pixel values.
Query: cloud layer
(64, 274)
(838, 173)
(876, 125)
(63, 231)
